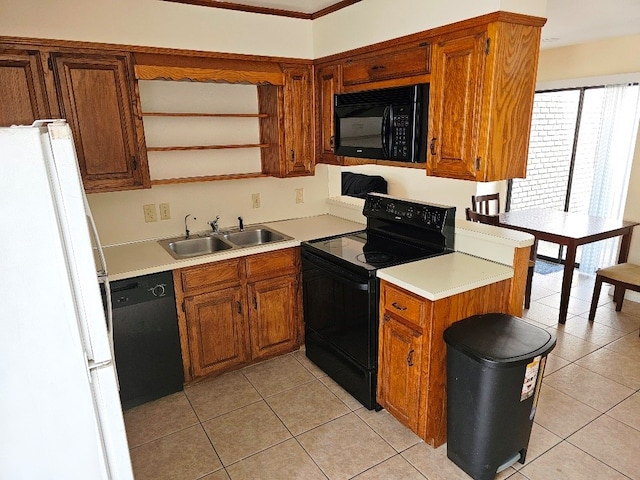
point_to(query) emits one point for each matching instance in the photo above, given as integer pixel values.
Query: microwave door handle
(386, 120)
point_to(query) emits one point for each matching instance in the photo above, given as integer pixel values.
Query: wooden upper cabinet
(286, 129)
(97, 96)
(328, 83)
(481, 101)
(298, 120)
(454, 107)
(22, 88)
(406, 61)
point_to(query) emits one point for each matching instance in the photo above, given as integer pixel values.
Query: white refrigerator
(60, 412)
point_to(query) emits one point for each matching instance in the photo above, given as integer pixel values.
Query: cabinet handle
(332, 142)
(239, 307)
(377, 67)
(386, 317)
(255, 302)
(397, 306)
(410, 358)
(134, 162)
(432, 146)
(293, 156)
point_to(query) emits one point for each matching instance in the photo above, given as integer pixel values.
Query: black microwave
(388, 124)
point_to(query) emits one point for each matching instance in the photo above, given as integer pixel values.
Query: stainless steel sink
(205, 244)
(254, 236)
(193, 247)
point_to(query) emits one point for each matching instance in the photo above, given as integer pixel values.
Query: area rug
(544, 268)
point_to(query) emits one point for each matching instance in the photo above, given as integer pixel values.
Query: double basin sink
(204, 244)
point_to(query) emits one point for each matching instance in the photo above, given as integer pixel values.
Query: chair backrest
(481, 218)
(483, 203)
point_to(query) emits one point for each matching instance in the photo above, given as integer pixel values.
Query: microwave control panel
(400, 132)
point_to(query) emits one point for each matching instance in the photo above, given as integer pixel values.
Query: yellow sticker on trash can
(530, 378)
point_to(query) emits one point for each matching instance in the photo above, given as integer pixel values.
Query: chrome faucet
(241, 224)
(186, 229)
(214, 224)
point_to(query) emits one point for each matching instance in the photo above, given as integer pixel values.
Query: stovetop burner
(370, 251)
(375, 258)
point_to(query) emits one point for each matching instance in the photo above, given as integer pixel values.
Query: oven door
(341, 307)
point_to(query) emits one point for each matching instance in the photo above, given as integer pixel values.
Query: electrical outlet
(165, 212)
(299, 195)
(150, 213)
(255, 200)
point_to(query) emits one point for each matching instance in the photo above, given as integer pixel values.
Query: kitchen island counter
(446, 275)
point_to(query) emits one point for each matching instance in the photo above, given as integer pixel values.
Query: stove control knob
(410, 212)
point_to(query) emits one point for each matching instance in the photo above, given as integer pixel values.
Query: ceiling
(569, 21)
(578, 21)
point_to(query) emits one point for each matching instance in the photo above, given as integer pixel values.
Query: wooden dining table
(571, 230)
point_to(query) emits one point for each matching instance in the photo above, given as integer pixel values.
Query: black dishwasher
(145, 338)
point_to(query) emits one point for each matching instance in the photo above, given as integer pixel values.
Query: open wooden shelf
(207, 147)
(186, 114)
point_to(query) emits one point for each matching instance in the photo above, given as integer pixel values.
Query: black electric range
(341, 291)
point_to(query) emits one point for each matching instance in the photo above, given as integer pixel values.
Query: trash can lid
(499, 339)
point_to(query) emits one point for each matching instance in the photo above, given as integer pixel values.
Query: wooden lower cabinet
(217, 331)
(401, 363)
(412, 372)
(273, 316)
(237, 311)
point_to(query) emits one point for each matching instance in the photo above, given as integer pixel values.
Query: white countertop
(142, 258)
(446, 275)
(433, 278)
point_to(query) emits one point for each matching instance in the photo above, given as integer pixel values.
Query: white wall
(414, 184)
(159, 24)
(120, 217)
(608, 57)
(372, 21)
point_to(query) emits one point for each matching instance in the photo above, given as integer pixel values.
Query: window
(580, 154)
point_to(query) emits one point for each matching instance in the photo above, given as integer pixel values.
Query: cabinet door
(298, 121)
(96, 94)
(216, 330)
(22, 88)
(273, 311)
(455, 106)
(399, 370)
(328, 84)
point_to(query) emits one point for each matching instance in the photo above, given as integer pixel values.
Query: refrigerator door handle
(103, 279)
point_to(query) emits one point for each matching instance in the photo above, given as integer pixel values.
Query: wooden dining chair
(483, 203)
(622, 276)
(474, 216)
(481, 218)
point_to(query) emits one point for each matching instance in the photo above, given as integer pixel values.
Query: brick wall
(550, 147)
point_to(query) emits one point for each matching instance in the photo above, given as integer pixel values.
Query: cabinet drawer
(280, 262)
(211, 276)
(402, 63)
(404, 304)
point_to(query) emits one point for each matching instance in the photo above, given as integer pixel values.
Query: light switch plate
(255, 200)
(299, 195)
(165, 211)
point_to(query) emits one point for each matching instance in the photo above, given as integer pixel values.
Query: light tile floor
(284, 419)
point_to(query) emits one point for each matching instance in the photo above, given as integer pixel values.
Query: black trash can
(495, 364)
